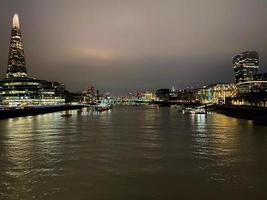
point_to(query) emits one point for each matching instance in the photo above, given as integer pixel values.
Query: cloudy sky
(126, 45)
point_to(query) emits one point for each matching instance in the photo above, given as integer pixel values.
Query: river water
(142, 152)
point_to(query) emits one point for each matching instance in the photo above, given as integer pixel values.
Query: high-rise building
(246, 66)
(16, 59)
(260, 77)
(19, 89)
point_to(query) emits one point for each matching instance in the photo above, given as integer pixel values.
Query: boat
(179, 108)
(103, 107)
(66, 114)
(194, 111)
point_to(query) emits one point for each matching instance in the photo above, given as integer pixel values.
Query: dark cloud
(119, 45)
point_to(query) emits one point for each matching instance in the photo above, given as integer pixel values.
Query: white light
(16, 21)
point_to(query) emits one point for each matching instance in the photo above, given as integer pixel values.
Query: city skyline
(155, 49)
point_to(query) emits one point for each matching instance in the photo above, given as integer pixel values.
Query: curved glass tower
(16, 58)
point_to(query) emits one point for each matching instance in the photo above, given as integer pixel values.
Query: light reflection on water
(131, 153)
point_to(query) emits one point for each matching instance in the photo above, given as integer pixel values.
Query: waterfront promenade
(12, 112)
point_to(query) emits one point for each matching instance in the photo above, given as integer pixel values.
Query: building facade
(17, 89)
(251, 85)
(29, 91)
(16, 59)
(246, 66)
(247, 78)
(217, 93)
(89, 95)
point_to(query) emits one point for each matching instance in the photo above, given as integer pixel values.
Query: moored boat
(66, 114)
(194, 111)
(103, 107)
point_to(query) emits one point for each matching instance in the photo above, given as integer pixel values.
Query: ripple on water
(130, 152)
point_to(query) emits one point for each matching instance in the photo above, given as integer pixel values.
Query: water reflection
(142, 152)
(221, 144)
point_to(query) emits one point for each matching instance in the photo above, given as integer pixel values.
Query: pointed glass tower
(16, 59)
(17, 89)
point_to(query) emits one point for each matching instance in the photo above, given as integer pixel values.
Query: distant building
(89, 95)
(187, 96)
(73, 97)
(173, 94)
(246, 66)
(163, 94)
(216, 93)
(204, 95)
(19, 89)
(149, 96)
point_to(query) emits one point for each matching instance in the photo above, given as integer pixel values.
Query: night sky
(127, 45)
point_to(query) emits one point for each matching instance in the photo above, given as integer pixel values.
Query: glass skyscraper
(246, 66)
(16, 59)
(18, 88)
(247, 78)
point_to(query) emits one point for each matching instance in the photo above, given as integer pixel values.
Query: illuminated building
(246, 66)
(255, 99)
(204, 95)
(247, 79)
(144, 97)
(19, 89)
(252, 87)
(89, 95)
(16, 59)
(216, 93)
(223, 91)
(149, 96)
(186, 96)
(29, 91)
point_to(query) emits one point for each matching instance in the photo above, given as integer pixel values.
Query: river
(132, 152)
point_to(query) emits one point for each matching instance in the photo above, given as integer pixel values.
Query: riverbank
(244, 112)
(36, 110)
